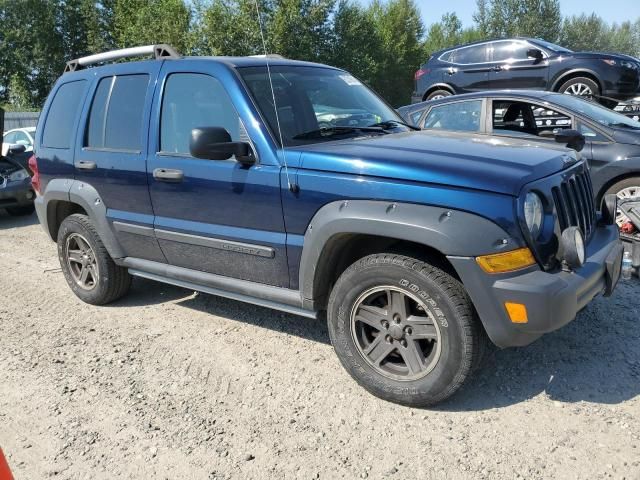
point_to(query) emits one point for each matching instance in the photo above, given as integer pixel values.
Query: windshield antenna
(292, 186)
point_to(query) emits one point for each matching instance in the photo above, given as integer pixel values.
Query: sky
(610, 10)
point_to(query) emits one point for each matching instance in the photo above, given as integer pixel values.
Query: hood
(613, 56)
(478, 162)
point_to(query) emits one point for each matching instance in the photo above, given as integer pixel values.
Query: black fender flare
(87, 197)
(451, 232)
(561, 78)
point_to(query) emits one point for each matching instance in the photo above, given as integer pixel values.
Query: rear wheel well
(57, 211)
(437, 87)
(343, 250)
(562, 80)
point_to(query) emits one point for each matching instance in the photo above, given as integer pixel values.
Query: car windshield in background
(318, 104)
(552, 46)
(596, 112)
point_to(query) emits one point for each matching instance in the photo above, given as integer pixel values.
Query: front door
(214, 216)
(512, 68)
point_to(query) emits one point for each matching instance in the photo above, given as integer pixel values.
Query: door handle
(168, 175)
(85, 165)
(497, 69)
(451, 71)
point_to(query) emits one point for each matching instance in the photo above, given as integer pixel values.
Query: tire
(452, 335)
(21, 211)
(81, 250)
(436, 94)
(624, 189)
(590, 89)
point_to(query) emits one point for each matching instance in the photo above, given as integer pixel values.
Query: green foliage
(590, 33)
(449, 32)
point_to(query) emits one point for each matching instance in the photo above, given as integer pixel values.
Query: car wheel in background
(627, 188)
(437, 94)
(20, 211)
(404, 329)
(87, 266)
(581, 87)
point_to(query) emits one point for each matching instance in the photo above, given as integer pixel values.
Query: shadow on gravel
(148, 292)
(7, 221)
(595, 358)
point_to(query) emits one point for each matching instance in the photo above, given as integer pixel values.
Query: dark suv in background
(525, 63)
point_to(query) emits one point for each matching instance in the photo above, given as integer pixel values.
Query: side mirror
(571, 138)
(535, 53)
(214, 143)
(16, 149)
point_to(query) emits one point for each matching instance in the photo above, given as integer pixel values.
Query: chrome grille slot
(574, 203)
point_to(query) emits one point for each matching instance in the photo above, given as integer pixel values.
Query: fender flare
(451, 232)
(87, 197)
(560, 79)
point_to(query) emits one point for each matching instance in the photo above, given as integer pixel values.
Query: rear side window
(193, 100)
(58, 129)
(468, 55)
(117, 111)
(459, 116)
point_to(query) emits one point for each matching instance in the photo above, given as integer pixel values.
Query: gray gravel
(170, 384)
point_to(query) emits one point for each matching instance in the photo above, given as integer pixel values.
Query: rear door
(111, 153)
(470, 68)
(214, 216)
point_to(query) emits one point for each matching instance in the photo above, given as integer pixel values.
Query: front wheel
(404, 329)
(581, 87)
(627, 188)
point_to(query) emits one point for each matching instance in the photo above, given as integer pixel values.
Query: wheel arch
(613, 180)
(438, 86)
(581, 72)
(344, 231)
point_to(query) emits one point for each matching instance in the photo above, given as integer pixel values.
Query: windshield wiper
(338, 130)
(393, 123)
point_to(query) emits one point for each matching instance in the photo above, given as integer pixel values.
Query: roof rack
(160, 51)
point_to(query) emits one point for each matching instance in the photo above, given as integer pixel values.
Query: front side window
(64, 109)
(315, 104)
(458, 116)
(509, 51)
(194, 100)
(117, 111)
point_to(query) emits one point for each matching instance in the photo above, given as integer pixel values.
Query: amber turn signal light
(506, 261)
(517, 312)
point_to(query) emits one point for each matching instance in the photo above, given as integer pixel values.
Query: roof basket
(160, 52)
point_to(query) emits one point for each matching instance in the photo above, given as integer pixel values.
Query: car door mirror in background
(214, 143)
(17, 149)
(535, 53)
(571, 138)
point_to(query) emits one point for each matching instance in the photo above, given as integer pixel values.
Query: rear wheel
(87, 266)
(20, 211)
(627, 188)
(404, 329)
(437, 94)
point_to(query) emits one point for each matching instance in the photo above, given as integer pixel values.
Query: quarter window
(193, 100)
(62, 115)
(117, 111)
(459, 116)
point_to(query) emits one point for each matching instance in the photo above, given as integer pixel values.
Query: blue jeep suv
(293, 186)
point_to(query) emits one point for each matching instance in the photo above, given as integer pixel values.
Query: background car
(612, 140)
(18, 136)
(526, 63)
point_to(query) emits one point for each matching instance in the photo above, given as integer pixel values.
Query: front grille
(574, 203)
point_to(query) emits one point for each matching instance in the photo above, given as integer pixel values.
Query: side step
(276, 298)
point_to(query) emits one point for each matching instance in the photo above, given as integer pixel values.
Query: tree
(448, 32)
(510, 18)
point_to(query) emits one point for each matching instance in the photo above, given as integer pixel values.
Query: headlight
(18, 176)
(533, 211)
(631, 65)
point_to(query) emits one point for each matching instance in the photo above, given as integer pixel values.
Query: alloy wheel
(628, 192)
(396, 333)
(580, 90)
(82, 262)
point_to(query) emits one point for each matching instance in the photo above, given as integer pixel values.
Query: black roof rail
(160, 52)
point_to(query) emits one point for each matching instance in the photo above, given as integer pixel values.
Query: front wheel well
(610, 183)
(57, 211)
(562, 80)
(341, 251)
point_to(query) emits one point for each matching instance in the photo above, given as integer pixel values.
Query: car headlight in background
(18, 176)
(533, 212)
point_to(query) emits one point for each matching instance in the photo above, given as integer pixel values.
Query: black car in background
(526, 63)
(612, 140)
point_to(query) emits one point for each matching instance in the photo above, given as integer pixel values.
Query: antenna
(292, 186)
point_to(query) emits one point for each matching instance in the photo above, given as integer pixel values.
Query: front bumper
(552, 299)
(16, 194)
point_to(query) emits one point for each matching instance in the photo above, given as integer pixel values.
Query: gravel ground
(170, 384)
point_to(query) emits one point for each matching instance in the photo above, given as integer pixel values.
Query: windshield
(552, 46)
(313, 99)
(596, 112)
